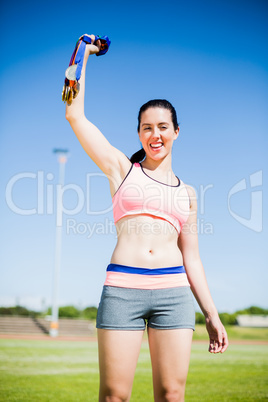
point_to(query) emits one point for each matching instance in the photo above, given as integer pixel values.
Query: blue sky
(210, 60)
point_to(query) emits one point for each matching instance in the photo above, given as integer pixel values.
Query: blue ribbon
(105, 44)
(79, 51)
(79, 59)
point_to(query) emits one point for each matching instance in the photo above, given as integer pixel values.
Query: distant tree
(200, 318)
(18, 310)
(6, 311)
(90, 313)
(253, 310)
(49, 311)
(228, 319)
(69, 312)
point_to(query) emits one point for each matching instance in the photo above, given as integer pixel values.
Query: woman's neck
(164, 165)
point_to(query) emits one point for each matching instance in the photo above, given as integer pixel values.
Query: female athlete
(155, 266)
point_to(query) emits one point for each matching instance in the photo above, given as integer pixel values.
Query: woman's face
(157, 132)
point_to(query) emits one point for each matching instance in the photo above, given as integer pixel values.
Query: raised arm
(188, 244)
(109, 159)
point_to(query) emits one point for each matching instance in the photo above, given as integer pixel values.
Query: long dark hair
(161, 103)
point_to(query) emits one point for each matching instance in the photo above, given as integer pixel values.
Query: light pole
(54, 324)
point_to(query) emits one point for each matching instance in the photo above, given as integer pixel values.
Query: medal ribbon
(71, 86)
(79, 52)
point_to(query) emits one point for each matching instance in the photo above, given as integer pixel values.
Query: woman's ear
(176, 133)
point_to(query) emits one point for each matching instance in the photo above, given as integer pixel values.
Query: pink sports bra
(140, 194)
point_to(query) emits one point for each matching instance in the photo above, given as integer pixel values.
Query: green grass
(68, 371)
(235, 333)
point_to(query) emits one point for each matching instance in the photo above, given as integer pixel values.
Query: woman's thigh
(118, 356)
(170, 351)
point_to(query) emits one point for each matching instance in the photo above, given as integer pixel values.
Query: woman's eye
(164, 127)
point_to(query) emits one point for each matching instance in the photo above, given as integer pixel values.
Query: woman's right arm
(108, 158)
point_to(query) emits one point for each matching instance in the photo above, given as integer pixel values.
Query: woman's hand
(218, 339)
(93, 49)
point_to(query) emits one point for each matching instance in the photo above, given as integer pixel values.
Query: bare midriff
(146, 242)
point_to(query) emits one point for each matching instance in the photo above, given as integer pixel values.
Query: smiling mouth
(156, 146)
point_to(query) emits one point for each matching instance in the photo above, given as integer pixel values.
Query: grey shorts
(131, 309)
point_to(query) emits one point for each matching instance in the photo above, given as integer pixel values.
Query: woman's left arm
(188, 244)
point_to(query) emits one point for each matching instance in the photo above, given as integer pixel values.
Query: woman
(156, 262)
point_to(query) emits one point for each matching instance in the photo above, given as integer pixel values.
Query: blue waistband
(146, 271)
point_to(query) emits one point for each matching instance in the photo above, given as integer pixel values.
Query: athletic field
(59, 370)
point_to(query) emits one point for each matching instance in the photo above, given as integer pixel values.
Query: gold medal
(76, 89)
(67, 94)
(63, 93)
(70, 97)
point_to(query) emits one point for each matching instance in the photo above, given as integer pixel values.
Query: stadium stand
(38, 326)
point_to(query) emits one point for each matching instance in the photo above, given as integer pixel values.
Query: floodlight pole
(54, 323)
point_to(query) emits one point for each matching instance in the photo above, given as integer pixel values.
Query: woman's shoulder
(189, 188)
(191, 194)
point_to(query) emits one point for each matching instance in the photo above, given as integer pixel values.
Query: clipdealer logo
(254, 222)
(49, 198)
